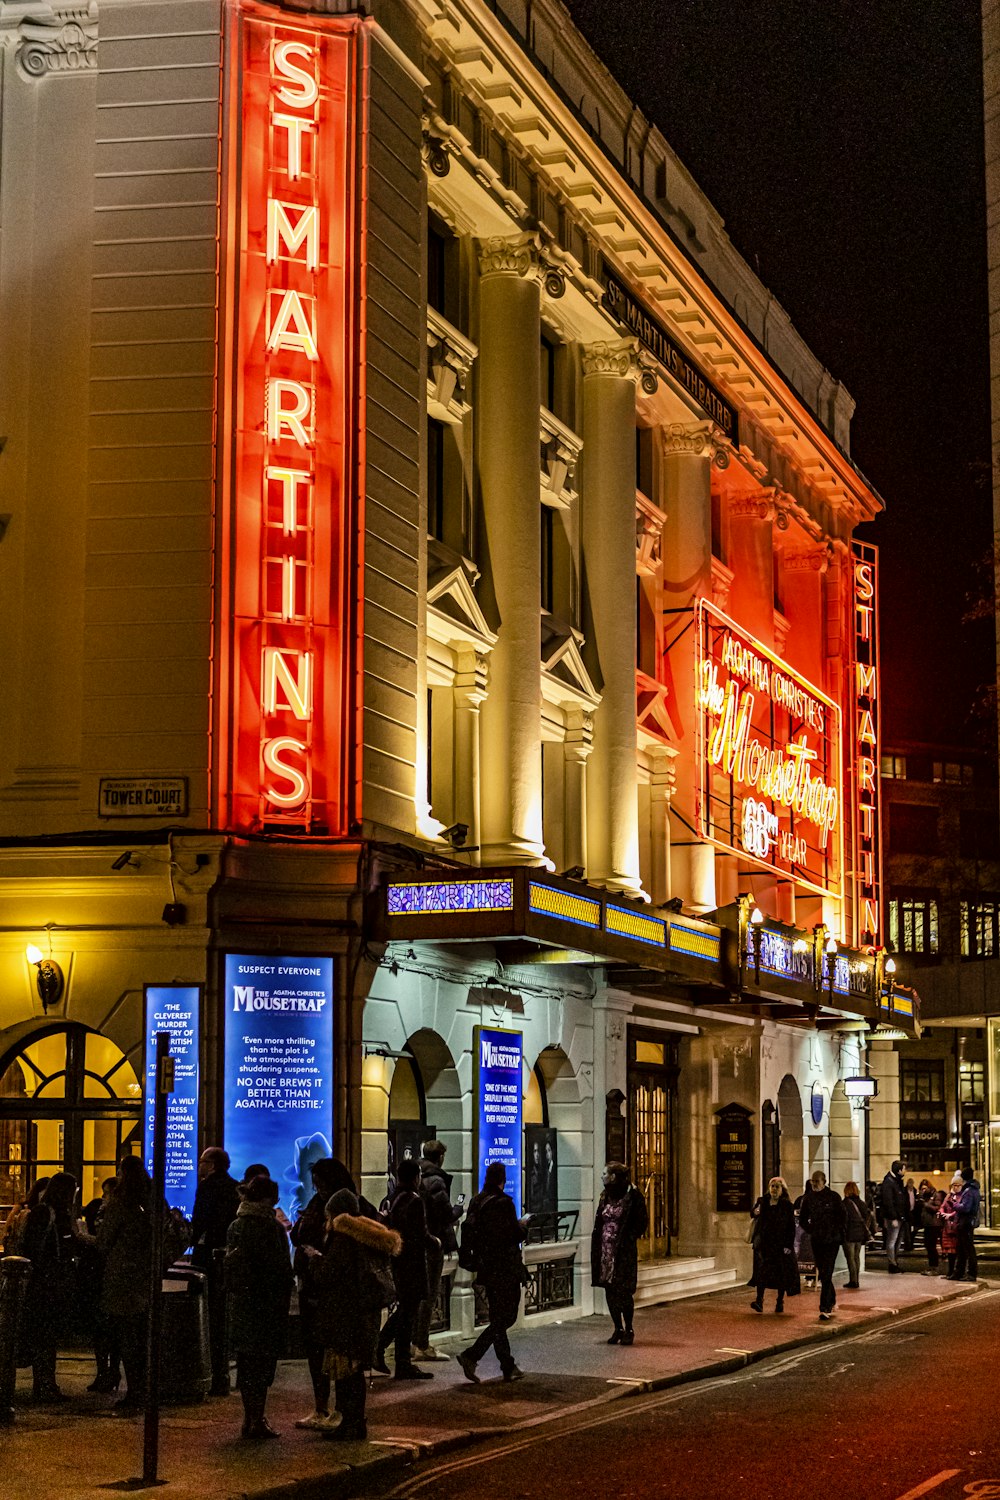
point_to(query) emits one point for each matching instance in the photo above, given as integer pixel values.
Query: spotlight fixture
(457, 835)
(675, 905)
(49, 980)
(575, 872)
(174, 914)
(125, 859)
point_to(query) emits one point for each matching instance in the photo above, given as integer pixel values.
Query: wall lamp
(49, 980)
(376, 1049)
(756, 923)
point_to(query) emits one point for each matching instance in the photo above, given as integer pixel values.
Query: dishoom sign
(769, 759)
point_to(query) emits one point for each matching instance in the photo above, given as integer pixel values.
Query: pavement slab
(80, 1451)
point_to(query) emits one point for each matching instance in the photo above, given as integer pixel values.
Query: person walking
(948, 1224)
(259, 1286)
(124, 1241)
(774, 1244)
(348, 1277)
(895, 1207)
(619, 1223)
(46, 1239)
(859, 1230)
(967, 1215)
(408, 1217)
(823, 1217)
(442, 1216)
(491, 1249)
(308, 1236)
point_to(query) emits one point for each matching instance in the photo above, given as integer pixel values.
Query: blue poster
(175, 1008)
(278, 1093)
(498, 1096)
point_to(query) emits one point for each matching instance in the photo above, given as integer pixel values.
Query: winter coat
(258, 1282)
(895, 1201)
(774, 1240)
(823, 1218)
(215, 1205)
(858, 1222)
(435, 1189)
(493, 1233)
(948, 1222)
(629, 1230)
(124, 1235)
(309, 1229)
(408, 1218)
(46, 1240)
(343, 1323)
(968, 1203)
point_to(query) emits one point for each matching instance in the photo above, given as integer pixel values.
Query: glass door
(652, 1104)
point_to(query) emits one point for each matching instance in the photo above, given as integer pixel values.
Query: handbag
(376, 1288)
(752, 1229)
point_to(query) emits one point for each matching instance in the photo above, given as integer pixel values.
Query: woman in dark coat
(124, 1237)
(775, 1242)
(46, 1239)
(408, 1217)
(346, 1318)
(259, 1283)
(308, 1236)
(620, 1222)
(860, 1229)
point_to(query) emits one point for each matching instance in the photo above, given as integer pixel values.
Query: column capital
(523, 256)
(55, 38)
(611, 357)
(700, 439)
(815, 559)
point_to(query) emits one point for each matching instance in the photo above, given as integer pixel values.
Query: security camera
(123, 860)
(457, 834)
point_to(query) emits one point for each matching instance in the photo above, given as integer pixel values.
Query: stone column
(577, 748)
(507, 437)
(469, 695)
(662, 781)
(688, 455)
(608, 537)
(751, 557)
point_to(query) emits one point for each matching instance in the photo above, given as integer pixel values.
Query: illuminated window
(971, 1082)
(894, 767)
(953, 772)
(981, 928)
(913, 924)
(921, 1081)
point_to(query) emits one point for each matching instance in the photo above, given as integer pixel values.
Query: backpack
(468, 1250)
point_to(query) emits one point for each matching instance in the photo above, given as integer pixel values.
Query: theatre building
(440, 679)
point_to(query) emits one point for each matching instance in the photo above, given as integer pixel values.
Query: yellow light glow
(33, 954)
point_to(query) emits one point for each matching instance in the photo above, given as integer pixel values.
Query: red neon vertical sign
(289, 660)
(867, 725)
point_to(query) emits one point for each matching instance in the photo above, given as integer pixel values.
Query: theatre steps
(681, 1276)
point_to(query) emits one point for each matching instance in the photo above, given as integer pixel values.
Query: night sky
(842, 142)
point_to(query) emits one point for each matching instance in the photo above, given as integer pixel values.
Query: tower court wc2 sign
(769, 759)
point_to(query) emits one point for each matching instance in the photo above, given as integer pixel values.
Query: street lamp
(831, 961)
(756, 923)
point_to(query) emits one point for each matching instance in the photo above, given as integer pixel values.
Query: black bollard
(218, 1331)
(14, 1273)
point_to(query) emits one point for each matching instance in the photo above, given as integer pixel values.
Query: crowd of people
(368, 1278)
(806, 1237)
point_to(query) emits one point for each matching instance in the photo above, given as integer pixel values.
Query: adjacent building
(441, 681)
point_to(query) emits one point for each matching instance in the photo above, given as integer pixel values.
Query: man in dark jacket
(895, 1206)
(823, 1218)
(967, 1218)
(491, 1248)
(408, 1217)
(216, 1204)
(435, 1189)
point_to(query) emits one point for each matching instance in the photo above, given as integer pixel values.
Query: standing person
(408, 1217)
(90, 1278)
(948, 1223)
(929, 1201)
(46, 1239)
(620, 1222)
(308, 1236)
(491, 1248)
(17, 1219)
(967, 1214)
(357, 1247)
(124, 1240)
(775, 1243)
(859, 1230)
(442, 1216)
(215, 1206)
(895, 1207)
(823, 1217)
(259, 1285)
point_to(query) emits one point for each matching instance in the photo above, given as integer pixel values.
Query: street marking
(932, 1484)
(732, 1351)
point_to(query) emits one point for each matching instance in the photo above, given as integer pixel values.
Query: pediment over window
(454, 617)
(651, 710)
(564, 676)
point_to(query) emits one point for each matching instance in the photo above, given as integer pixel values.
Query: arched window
(70, 1100)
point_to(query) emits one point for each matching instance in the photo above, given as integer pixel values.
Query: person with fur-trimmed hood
(347, 1315)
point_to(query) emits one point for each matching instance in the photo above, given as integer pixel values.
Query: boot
(353, 1428)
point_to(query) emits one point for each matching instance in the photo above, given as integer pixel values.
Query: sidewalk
(79, 1451)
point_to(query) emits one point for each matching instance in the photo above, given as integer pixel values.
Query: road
(905, 1411)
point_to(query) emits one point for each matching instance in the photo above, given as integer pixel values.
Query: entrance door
(652, 1109)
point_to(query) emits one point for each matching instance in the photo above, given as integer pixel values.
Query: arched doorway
(790, 1144)
(70, 1101)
